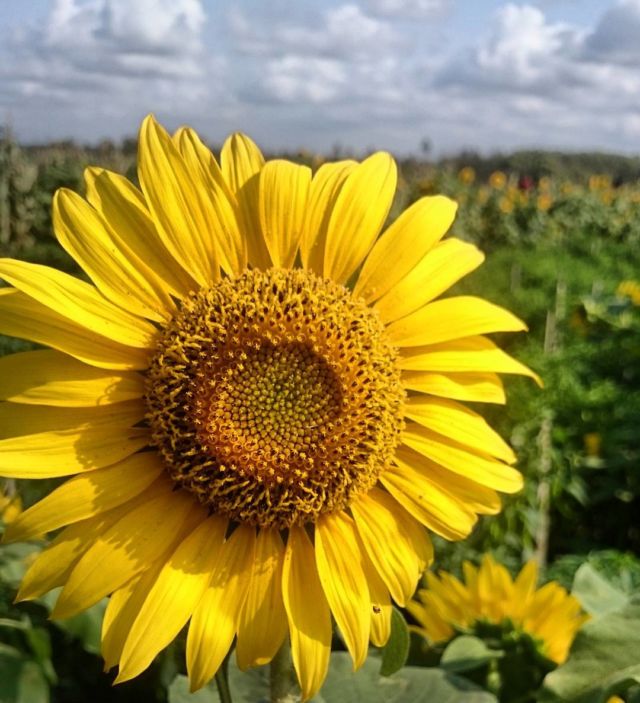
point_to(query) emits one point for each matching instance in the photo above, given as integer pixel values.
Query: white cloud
(148, 37)
(339, 56)
(409, 9)
(341, 32)
(104, 63)
(361, 72)
(547, 80)
(312, 80)
(524, 52)
(616, 37)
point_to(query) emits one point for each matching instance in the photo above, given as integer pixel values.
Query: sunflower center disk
(275, 397)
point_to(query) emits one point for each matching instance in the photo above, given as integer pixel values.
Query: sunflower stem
(222, 682)
(281, 676)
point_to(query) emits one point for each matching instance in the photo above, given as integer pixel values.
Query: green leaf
(32, 686)
(22, 681)
(410, 685)
(595, 593)
(12, 561)
(633, 694)
(466, 653)
(40, 643)
(179, 692)
(396, 651)
(605, 658)
(250, 686)
(86, 626)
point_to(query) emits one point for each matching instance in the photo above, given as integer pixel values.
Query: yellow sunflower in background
(490, 597)
(258, 399)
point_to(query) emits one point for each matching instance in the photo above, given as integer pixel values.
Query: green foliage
(411, 685)
(595, 593)
(620, 569)
(468, 653)
(605, 660)
(396, 651)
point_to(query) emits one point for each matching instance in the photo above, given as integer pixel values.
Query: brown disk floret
(275, 397)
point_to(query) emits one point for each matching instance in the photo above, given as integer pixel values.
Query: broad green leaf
(13, 561)
(410, 685)
(85, 626)
(21, 681)
(395, 652)
(604, 659)
(40, 643)
(595, 593)
(633, 694)
(250, 686)
(179, 692)
(32, 686)
(466, 653)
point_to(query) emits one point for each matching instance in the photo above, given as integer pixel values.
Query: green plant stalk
(222, 683)
(281, 676)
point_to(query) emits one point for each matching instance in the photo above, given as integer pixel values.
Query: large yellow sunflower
(258, 397)
(490, 597)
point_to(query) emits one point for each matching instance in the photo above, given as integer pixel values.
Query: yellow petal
(428, 501)
(173, 597)
(143, 535)
(117, 272)
(46, 454)
(241, 162)
(53, 565)
(471, 354)
(453, 420)
(240, 159)
(359, 213)
(470, 572)
(122, 205)
(175, 204)
(434, 628)
(325, 187)
(526, 580)
(87, 495)
(453, 456)
(380, 605)
(215, 619)
(78, 301)
(23, 317)
(445, 486)
(339, 562)
(49, 377)
(19, 420)
(404, 243)
(122, 609)
(283, 193)
(221, 206)
(263, 621)
(307, 611)
(383, 528)
(438, 270)
(452, 318)
(478, 387)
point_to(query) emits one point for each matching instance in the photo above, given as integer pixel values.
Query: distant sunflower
(257, 445)
(490, 597)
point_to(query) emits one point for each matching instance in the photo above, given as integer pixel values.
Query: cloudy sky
(484, 74)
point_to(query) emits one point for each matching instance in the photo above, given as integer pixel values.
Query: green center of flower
(275, 397)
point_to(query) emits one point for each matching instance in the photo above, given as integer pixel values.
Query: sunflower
(491, 599)
(258, 401)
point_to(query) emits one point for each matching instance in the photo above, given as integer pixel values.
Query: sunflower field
(538, 602)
